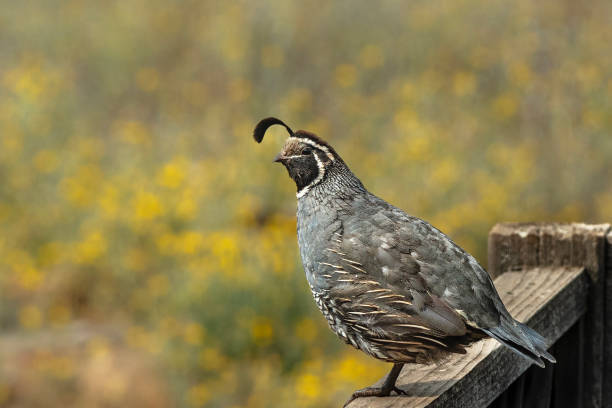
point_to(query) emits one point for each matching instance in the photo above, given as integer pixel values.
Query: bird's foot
(374, 392)
(399, 391)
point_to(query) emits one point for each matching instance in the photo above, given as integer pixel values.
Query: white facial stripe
(314, 144)
(321, 167)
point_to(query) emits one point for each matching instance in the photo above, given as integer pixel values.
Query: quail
(388, 283)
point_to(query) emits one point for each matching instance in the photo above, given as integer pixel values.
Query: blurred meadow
(147, 245)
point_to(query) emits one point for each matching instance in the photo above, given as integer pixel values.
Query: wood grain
(514, 246)
(607, 369)
(550, 300)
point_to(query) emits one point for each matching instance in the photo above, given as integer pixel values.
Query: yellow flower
(147, 206)
(225, 249)
(46, 161)
(133, 132)
(172, 174)
(50, 254)
(29, 82)
(594, 118)
(445, 172)
(211, 359)
(187, 206)
(464, 83)
(262, 331)
(572, 212)
(589, 75)
(30, 277)
(12, 144)
(346, 75)
(109, 200)
(505, 106)
(603, 203)
(89, 149)
(30, 317)
(308, 386)
(91, 248)
(406, 119)
(81, 188)
(198, 395)
(354, 368)
(18, 260)
(193, 334)
(190, 242)
(59, 315)
(520, 73)
(166, 243)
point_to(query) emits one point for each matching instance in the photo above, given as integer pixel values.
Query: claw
(384, 391)
(374, 392)
(399, 391)
(367, 392)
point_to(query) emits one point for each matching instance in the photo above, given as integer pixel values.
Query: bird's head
(306, 157)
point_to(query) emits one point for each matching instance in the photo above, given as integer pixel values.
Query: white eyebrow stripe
(314, 144)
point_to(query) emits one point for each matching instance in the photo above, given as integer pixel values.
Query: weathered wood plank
(607, 378)
(538, 386)
(594, 346)
(550, 299)
(569, 370)
(514, 246)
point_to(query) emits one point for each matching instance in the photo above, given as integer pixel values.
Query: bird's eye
(307, 150)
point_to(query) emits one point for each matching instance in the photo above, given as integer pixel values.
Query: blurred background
(147, 245)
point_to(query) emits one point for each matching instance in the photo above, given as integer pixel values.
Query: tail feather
(539, 341)
(522, 340)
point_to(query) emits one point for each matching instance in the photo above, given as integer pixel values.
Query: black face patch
(303, 170)
(323, 157)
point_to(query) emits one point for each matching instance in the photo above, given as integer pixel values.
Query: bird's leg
(382, 391)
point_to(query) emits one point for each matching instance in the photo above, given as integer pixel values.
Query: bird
(388, 283)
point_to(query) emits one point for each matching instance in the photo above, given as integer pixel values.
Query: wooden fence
(558, 279)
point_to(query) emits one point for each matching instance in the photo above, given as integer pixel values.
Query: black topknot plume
(264, 124)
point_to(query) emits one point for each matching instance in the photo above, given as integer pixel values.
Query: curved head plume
(306, 157)
(264, 124)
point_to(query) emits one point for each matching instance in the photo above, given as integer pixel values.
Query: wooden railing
(552, 276)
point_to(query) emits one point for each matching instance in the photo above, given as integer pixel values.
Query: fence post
(518, 246)
(607, 377)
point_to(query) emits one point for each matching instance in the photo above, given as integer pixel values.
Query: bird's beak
(279, 158)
